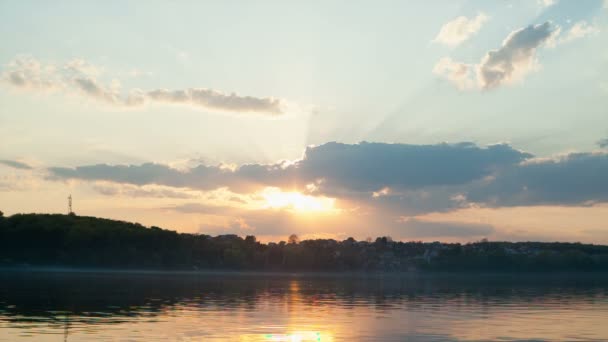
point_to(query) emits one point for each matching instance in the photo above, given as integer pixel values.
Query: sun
(275, 198)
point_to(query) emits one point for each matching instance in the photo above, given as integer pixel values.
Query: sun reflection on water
(298, 336)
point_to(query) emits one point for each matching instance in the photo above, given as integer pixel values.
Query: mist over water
(57, 306)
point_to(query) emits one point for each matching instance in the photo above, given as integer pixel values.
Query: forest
(53, 240)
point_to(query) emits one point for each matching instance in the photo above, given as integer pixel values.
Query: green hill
(76, 241)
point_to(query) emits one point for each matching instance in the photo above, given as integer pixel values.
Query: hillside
(76, 241)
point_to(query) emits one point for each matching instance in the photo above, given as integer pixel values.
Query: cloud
(511, 62)
(29, 73)
(419, 178)
(416, 228)
(81, 77)
(579, 30)
(372, 166)
(459, 74)
(573, 179)
(547, 3)
(212, 99)
(603, 143)
(200, 177)
(516, 56)
(460, 29)
(277, 223)
(15, 164)
(364, 167)
(396, 179)
(149, 191)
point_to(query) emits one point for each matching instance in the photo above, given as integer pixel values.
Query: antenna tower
(70, 212)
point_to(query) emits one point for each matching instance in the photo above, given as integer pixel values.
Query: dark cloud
(576, 179)
(367, 167)
(128, 190)
(364, 167)
(199, 208)
(15, 164)
(200, 177)
(210, 98)
(396, 178)
(413, 228)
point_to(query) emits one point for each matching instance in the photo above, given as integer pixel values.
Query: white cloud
(515, 58)
(579, 30)
(213, 99)
(511, 62)
(81, 77)
(29, 73)
(460, 29)
(457, 73)
(547, 3)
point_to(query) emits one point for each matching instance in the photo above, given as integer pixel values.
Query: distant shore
(71, 242)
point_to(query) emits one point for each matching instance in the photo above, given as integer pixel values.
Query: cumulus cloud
(460, 29)
(515, 57)
(335, 167)
(372, 166)
(394, 178)
(579, 30)
(547, 3)
(403, 178)
(15, 164)
(29, 73)
(460, 74)
(82, 77)
(573, 179)
(511, 62)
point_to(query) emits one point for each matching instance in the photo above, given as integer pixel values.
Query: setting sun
(276, 199)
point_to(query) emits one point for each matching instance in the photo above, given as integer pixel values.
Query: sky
(430, 120)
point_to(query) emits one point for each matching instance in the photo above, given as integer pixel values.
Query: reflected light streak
(298, 336)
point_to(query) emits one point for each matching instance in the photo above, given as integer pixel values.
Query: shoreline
(301, 274)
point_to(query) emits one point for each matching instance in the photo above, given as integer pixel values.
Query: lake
(106, 306)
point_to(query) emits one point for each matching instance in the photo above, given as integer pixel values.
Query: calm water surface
(238, 307)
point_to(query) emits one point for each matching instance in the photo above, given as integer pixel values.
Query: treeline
(76, 241)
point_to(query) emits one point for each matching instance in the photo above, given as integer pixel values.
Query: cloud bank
(78, 76)
(15, 164)
(397, 178)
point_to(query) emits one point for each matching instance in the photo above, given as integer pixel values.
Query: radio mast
(70, 212)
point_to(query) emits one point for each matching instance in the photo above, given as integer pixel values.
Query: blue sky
(183, 84)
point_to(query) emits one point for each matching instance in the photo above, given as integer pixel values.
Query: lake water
(243, 307)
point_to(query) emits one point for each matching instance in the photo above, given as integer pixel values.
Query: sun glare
(277, 199)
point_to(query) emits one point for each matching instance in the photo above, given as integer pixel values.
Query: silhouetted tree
(293, 239)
